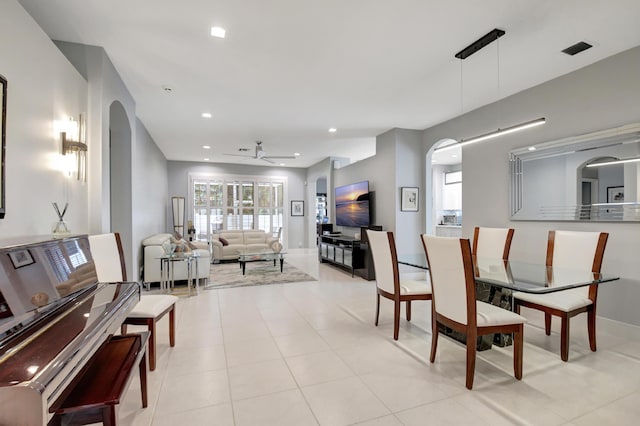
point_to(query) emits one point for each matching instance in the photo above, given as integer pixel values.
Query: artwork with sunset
(352, 205)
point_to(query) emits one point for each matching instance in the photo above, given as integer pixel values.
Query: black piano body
(54, 316)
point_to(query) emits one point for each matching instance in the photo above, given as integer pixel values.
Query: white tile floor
(308, 354)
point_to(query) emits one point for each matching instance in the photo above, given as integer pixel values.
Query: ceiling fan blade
(267, 160)
(240, 155)
(280, 157)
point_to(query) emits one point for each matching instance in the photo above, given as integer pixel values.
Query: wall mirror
(591, 177)
(3, 133)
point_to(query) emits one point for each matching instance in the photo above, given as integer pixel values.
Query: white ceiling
(289, 70)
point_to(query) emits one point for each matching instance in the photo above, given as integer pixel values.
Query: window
(236, 203)
(452, 177)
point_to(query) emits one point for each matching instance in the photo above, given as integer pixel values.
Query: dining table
(497, 279)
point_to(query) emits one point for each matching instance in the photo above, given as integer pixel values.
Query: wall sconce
(72, 144)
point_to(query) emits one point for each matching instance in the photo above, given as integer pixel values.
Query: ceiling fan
(261, 154)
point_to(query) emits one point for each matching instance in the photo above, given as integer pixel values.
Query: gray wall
(600, 96)
(145, 180)
(318, 172)
(43, 88)
(294, 234)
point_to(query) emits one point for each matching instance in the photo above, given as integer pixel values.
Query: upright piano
(54, 316)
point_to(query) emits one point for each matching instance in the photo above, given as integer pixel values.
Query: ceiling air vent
(577, 48)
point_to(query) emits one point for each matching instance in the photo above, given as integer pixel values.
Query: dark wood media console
(347, 253)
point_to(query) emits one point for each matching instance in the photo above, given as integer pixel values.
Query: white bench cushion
(152, 305)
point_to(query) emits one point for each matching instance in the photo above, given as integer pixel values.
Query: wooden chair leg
(591, 325)
(377, 308)
(564, 338)
(123, 328)
(471, 359)
(396, 319)
(151, 324)
(518, 340)
(172, 326)
(408, 308)
(547, 324)
(434, 339)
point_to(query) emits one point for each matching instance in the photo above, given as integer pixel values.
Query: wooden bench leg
(143, 380)
(109, 416)
(172, 326)
(151, 324)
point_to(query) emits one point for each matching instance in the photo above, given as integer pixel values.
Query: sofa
(226, 245)
(154, 248)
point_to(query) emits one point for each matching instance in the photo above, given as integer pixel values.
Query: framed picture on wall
(20, 258)
(297, 208)
(408, 199)
(3, 130)
(615, 194)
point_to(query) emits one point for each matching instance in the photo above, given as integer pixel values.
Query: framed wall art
(408, 199)
(297, 208)
(20, 258)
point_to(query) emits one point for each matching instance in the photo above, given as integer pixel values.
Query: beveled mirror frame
(3, 136)
(599, 211)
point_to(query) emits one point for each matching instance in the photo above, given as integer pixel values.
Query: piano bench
(149, 311)
(94, 394)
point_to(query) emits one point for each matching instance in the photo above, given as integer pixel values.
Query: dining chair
(494, 243)
(576, 252)
(108, 256)
(389, 283)
(454, 303)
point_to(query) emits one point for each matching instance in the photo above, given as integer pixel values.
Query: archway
(444, 190)
(120, 182)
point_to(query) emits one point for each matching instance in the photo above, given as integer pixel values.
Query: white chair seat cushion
(151, 306)
(562, 300)
(414, 287)
(488, 315)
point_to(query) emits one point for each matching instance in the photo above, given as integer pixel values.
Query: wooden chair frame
(507, 243)
(471, 330)
(396, 296)
(566, 316)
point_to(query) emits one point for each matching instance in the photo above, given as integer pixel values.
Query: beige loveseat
(237, 241)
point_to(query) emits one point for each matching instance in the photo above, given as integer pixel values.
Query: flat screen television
(352, 205)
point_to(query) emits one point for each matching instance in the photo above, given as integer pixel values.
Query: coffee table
(253, 255)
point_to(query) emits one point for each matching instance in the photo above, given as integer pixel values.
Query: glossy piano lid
(37, 274)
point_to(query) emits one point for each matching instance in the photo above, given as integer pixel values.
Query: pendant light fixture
(483, 41)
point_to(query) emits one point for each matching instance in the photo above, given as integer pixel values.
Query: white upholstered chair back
(105, 250)
(493, 243)
(448, 276)
(382, 247)
(575, 251)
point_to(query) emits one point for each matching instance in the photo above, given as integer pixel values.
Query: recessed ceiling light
(206, 159)
(532, 148)
(218, 32)
(297, 154)
(206, 115)
(333, 130)
(454, 155)
(282, 164)
(206, 146)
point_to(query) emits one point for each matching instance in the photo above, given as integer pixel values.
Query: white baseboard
(618, 328)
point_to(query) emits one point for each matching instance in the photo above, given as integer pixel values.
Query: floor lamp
(177, 207)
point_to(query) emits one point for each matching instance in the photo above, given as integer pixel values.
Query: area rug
(226, 275)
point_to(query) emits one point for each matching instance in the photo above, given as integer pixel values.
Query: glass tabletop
(262, 253)
(523, 276)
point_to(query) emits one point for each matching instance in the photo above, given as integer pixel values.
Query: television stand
(344, 252)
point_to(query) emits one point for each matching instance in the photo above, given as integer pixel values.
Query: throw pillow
(177, 235)
(223, 241)
(191, 245)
